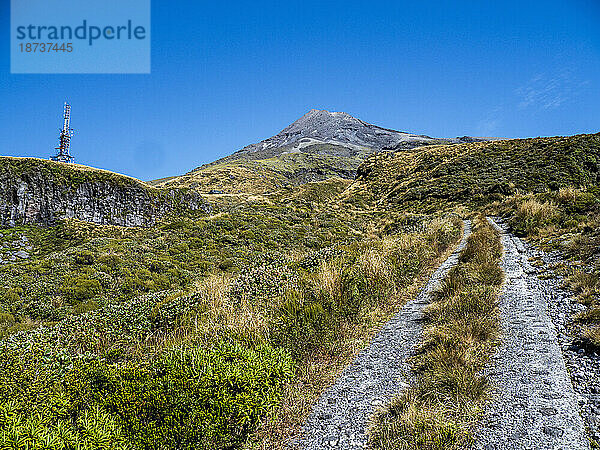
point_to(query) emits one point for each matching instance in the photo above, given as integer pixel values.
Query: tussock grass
(462, 326)
(593, 334)
(567, 195)
(334, 311)
(532, 215)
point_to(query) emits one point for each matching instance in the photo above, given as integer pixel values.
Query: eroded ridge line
(534, 405)
(340, 416)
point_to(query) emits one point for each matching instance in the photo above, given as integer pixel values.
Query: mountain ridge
(339, 128)
(318, 145)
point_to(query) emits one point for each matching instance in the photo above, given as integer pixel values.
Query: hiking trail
(340, 416)
(533, 405)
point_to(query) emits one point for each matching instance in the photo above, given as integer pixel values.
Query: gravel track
(339, 418)
(534, 404)
(583, 361)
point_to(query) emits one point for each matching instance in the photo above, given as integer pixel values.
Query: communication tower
(66, 133)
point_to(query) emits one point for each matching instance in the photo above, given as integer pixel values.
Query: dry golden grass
(536, 211)
(593, 334)
(218, 316)
(567, 195)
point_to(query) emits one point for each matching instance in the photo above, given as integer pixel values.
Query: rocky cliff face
(36, 192)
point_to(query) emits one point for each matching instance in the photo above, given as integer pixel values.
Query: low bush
(185, 398)
(93, 430)
(84, 257)
(531, 216)
(188, 398)
(80, 288)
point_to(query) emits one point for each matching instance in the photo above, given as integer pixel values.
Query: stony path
(339, 418)
(583, 361)
(534, 405)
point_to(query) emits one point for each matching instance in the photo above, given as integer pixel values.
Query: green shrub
(188, 397)
(93, 430)
(6, 319)
(168, 313)
(110, 260)
(84, 258)
(354, 293)
(86, 306)
(80, 288)
(12, 295)
(300, 324)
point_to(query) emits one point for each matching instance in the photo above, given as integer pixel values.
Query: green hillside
(62, 173)
(264, 173)
(430, 178)
(220, 329)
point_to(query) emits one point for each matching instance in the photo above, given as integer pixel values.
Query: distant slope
(445, 175)
(319, 145)
(264, 175)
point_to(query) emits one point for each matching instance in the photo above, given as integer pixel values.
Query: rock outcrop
(35, 191)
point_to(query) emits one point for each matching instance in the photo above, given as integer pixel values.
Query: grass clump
(462, 325)
(532, 215)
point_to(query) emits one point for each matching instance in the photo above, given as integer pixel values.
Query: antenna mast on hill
(63, 154)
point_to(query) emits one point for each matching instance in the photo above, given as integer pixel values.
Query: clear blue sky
(227, 74)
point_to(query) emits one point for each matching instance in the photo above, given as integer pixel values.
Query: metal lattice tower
(63, 154)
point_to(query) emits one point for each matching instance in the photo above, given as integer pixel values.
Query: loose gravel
(534, 405)
(582, 360)
(339, 418)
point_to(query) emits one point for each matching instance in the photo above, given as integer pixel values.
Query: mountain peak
(321, 123)
(319, 126)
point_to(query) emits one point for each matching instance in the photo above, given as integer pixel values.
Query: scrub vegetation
(568, 221)
(206, 331)
(219, 330)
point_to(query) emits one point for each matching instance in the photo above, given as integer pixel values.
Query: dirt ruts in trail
(340, 416)
(534, 405)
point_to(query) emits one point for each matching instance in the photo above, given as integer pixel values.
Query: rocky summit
(340, 129)
(337, 128)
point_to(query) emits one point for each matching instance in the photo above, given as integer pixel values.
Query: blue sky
(227, 74)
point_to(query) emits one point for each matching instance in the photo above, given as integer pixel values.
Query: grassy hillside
(264, 173)
(62, 173)
(262, 302)
(474, 174)
(219, 330)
